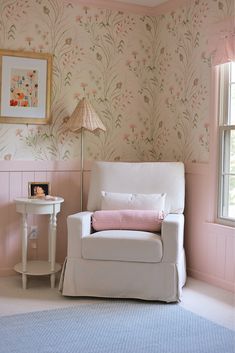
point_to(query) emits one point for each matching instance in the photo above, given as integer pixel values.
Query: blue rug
(114, 327)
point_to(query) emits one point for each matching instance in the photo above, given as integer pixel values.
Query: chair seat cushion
(122, 245)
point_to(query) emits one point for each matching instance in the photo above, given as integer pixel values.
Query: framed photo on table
(38, 190)
(25, 87)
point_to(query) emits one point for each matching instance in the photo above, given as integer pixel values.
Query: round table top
(44, 201)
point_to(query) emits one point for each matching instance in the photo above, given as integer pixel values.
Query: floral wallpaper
(147, 77)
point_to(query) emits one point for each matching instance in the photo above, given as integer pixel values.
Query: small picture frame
(38, 190)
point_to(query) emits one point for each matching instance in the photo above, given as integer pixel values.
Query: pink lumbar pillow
(145, 220)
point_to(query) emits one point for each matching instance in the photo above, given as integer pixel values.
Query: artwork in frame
(38, 190)
(25, 87)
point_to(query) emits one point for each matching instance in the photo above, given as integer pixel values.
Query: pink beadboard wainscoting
(64, 178)
(210, 247)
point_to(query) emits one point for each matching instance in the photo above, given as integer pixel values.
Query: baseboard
(215, 281)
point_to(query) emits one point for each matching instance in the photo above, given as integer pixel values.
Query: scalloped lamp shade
(85, 117)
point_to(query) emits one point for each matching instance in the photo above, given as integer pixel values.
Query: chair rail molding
(158, 10)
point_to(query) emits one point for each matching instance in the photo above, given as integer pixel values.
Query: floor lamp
(84, 117)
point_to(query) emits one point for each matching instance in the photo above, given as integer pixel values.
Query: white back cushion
(123, 201)
(142, 178)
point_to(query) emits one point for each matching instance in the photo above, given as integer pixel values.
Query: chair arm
(79, 225)
(172, 237)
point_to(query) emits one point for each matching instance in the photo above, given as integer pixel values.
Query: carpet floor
(114, 326)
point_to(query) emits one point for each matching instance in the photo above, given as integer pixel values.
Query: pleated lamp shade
(85, 117)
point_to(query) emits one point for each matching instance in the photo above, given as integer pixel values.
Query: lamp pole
(81, 173)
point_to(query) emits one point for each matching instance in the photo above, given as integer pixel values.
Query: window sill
(218, 227)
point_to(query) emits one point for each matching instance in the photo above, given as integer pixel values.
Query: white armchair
(128, 263)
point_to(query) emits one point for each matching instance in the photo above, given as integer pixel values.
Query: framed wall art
(25, 87)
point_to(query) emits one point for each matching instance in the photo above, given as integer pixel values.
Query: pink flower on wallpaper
(39, 129)
(201, 137)
(23, 88)
(79, 19)
(126, 137)
(29, 40)
(7, 157)
(19, 132)
(132, 127)
(62, 140)
(120, 28)
(77, 95)
(83, 85)
(206, 126)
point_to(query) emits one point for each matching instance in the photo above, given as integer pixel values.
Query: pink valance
(222, 41)
(225, 51)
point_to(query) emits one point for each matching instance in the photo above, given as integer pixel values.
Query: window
(226, 199)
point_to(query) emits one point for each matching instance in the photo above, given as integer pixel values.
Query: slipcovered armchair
(135, 260)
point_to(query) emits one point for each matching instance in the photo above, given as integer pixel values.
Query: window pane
(232, 108)
(231, 205)
(233, 72)
(228, 196)
(232, 152)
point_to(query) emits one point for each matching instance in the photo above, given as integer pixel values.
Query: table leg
(53, 280)
(49, 237)
(24, 280)
(53, 223)
(24, 235)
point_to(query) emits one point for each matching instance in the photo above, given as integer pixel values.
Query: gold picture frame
(25, 87)
(38, 189)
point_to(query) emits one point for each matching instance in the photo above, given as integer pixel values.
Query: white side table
(27, 206)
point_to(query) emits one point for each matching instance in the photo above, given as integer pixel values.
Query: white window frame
(225, 129)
